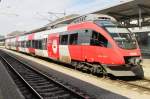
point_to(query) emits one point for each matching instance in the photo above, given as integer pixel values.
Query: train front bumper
(133, 70)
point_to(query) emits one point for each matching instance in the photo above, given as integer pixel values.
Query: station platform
(146, 67)
(1, 96)
(8, 88)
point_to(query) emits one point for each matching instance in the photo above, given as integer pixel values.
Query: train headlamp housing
(133, 60)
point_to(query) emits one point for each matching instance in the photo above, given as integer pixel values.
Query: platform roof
(129, 9)
(125, 11)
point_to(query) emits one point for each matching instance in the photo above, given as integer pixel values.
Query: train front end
(126, 56)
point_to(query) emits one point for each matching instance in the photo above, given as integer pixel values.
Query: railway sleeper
(65, 96)
(43, 87)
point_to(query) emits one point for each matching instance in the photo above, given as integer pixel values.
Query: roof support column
(140, 17)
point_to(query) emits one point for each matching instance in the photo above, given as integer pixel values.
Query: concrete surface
(8, 88)
(146, 67)
(1, 96)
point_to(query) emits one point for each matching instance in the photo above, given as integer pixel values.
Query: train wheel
(74, 64)
(98, 70)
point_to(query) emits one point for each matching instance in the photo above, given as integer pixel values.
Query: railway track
(34, 84)
(141, 86)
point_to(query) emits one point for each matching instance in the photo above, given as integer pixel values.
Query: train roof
(92, 17)
(59, 25)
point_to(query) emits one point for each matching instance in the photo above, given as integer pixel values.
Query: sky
(26, 15)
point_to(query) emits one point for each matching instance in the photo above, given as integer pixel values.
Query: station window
(98, 40)
(64, 40)
(73, 39)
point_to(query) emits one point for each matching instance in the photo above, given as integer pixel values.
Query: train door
(64, 49)
(91, 49)
(38, 37)
(98, 49)
(53, 45)
(30, 41)
(102, 48)
(75, 48)
(44, 46)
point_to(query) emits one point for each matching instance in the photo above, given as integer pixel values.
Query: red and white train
(91, 42)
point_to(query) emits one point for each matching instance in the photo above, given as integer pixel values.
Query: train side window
(98, 40)
(73, 39)
(33, 43)
(29, 43)
(64, 40)
(44, 43)
(84, 37)
(36, 44)
(40, 44)
(21, 43)
(25, 43)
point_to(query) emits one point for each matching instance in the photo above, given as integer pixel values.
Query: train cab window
(73, 39)
(98, 40)
(64, 40)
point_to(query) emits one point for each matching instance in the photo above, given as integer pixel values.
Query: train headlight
(135, 60)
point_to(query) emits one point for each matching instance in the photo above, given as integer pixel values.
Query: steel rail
(135, 85)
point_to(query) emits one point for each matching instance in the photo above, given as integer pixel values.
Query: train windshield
(122, 36)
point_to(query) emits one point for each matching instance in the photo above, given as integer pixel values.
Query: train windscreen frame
(122, 36)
